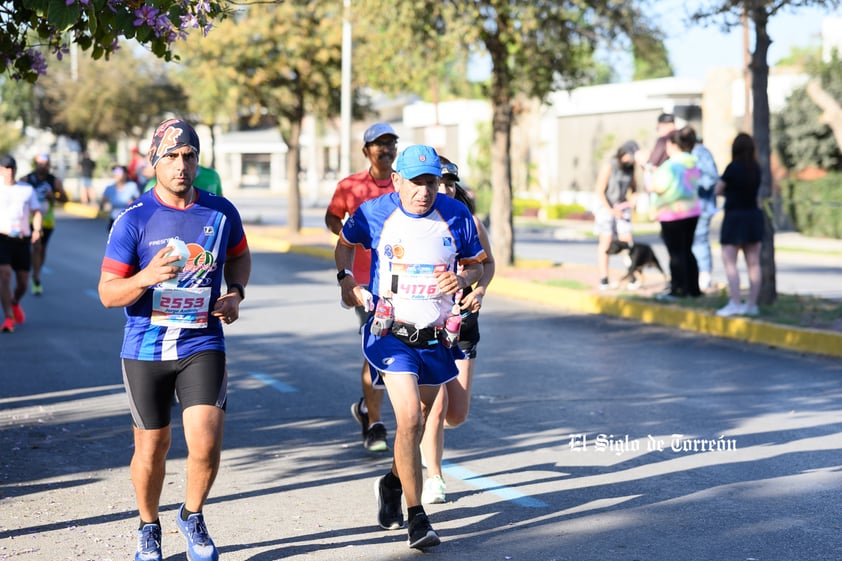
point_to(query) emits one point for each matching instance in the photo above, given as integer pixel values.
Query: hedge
(816, 206)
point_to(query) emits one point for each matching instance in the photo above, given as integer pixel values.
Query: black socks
(186, 513)
(414, 511)
(391, 481)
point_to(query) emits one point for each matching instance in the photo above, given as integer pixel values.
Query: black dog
(639, 255)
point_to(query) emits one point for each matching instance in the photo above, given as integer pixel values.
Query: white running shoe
(751, 310)
(433, 492)
(731, 309)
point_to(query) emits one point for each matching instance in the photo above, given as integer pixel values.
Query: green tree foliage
(281, 61)
(107, 100)
(800, 137)
(651, 59)
(413, 47)
(17, 112)
(536, 47)
(31, 31)
(212, 93)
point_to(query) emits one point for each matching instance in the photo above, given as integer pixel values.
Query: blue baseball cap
(418, 159)
(377, 130)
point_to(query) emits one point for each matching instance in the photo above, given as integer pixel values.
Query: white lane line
(272, 382)
(491, 486)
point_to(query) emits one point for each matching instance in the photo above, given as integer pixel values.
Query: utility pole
(345, 104)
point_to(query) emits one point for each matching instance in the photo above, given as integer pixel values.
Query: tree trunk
(501, 185)
(502, 237)
(293, 165)
(760, 98)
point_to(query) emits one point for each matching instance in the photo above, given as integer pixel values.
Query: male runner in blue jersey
(173, 338)
(417, 239)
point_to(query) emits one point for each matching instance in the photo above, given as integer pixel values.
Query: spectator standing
(742, 225)
(453, 402)
(707, 200)
(658, 155)
(86, 179)
(380, 147)
(18, 206)
(676, 205)
(417, 237)
(50, 190)
(173, 341)
(616, 191)
(139, 170)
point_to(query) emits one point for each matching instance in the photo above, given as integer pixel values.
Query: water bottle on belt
(384, 316)
(452, 326)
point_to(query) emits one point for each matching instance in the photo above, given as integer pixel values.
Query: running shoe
(375, 438)
(20, 317)
(360, 416)
(389, 512)
(731, 309)
(434, 490)
(37, 289)
(421, 533)
(149, 543)
(751, 310)
(8, 326)
(200, 546)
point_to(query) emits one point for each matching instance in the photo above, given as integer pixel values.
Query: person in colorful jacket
(675, 201)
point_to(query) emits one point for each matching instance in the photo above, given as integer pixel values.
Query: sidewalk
(571, 287)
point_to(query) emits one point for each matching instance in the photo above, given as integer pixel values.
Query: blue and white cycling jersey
(172, 320)
(409, 250)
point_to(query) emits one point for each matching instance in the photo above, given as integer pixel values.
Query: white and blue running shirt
(409, 249)
(172, 320)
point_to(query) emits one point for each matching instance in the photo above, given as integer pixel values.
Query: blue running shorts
(432, 367)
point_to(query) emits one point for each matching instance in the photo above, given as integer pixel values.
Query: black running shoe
(421, 534)
(375, 438)
(389, 512)
(362, 418)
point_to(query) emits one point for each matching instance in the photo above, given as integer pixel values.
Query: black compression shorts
(199, 379)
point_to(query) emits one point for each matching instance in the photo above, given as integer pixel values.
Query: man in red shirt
(380, 146)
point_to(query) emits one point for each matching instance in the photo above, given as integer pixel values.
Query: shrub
(525, 207)
(816, 206)
(559, 211)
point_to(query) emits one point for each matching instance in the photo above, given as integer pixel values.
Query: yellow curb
(739, 328)
(755, 331)
(78, 209)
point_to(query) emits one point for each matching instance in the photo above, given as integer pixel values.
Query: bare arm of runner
(116, 291)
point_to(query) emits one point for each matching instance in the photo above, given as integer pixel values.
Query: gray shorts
(606, 224)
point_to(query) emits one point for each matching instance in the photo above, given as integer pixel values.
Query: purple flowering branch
(23, 53)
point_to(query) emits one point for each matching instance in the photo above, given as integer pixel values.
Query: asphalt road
(570, 452)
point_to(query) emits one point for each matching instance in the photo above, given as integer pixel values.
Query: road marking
(491, 486)
(270, 381)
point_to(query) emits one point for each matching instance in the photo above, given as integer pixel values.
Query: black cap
(8, 161)
(666, 118)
